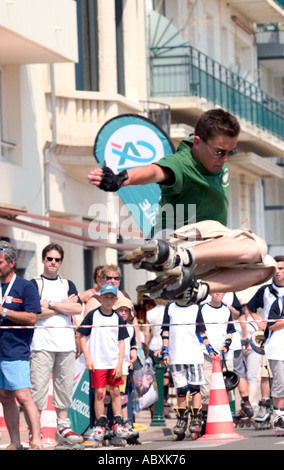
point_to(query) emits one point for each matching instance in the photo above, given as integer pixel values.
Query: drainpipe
(48, 149)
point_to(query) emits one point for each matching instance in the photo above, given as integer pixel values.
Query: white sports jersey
(184, 345)
(264, 298)
(218, 331)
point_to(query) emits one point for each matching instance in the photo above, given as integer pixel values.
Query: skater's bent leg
(234, 280)
(226, 252)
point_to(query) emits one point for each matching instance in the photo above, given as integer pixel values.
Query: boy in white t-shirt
(183, 331)
(104, 355)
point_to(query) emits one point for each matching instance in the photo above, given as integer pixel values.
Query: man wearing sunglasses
(53, 348)
(194, 242)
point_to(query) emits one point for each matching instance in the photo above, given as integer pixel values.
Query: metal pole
(158, 415)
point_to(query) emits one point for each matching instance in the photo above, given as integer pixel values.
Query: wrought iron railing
(185, 71)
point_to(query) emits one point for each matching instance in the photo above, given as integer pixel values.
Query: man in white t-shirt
(53, 348)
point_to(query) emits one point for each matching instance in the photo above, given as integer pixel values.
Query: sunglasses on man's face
(109, 278)
(49, 258)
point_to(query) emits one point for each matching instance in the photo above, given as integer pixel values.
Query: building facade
(68, 67)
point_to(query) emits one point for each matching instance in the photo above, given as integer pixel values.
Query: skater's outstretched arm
(135, 176)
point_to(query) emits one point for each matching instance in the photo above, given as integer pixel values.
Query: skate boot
(133, 437)
(100, 430)
(278, 423)
(158, 255)
(262, 419)
(195, 424)
(204, 421)
(119, 433)
(176, 285)
(179, 430)
(66, 438)
(244, 416)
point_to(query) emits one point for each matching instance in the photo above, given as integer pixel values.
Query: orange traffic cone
(219, 419)
(48, 421)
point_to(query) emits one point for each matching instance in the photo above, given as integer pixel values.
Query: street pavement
(158, 440)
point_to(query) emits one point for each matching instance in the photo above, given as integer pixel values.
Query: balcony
(38, 31)
(270, 44)
(185, 71)
(258, 11)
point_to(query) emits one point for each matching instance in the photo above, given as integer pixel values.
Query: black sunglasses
(49, 258)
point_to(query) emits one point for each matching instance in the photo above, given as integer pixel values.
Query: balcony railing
(185, 71)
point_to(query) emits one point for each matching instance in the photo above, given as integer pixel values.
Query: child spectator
(104, 356)
(182, 332)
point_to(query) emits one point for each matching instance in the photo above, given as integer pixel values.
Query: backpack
(39, 282)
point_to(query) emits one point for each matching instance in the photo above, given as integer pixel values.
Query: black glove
(111, 181)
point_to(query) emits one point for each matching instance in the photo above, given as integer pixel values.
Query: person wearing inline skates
(275, 354)
(125, 308)
(220, 331)
(104, 356)
(263, 299)
(183, 331)
(192, 249)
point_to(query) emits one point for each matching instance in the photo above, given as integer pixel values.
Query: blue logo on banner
(130, 141)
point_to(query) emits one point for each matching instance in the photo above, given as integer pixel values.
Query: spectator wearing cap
(104, 352)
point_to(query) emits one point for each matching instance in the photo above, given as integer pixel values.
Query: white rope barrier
(140, 325)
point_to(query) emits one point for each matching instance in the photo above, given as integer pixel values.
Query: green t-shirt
(205, 192)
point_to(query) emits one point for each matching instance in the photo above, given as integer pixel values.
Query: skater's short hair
(217, 122)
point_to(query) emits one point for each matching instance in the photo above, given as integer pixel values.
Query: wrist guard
(227, 344)
(164, 352)
(210, 349)
(110, 181)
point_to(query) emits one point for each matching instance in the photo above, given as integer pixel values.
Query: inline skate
(262, 419)
(180, 429)
(244, 416)
(66, 438)
(175, 281)
(133, 437)
(118, 434)
(278, 423)
(100, 432)
(157, 256)
(195, 424)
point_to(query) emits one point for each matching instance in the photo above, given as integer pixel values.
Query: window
(87, 70)
(119, 47)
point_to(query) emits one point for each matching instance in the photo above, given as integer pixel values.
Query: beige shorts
(208, 230)
(207, 370)
(61, 365)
